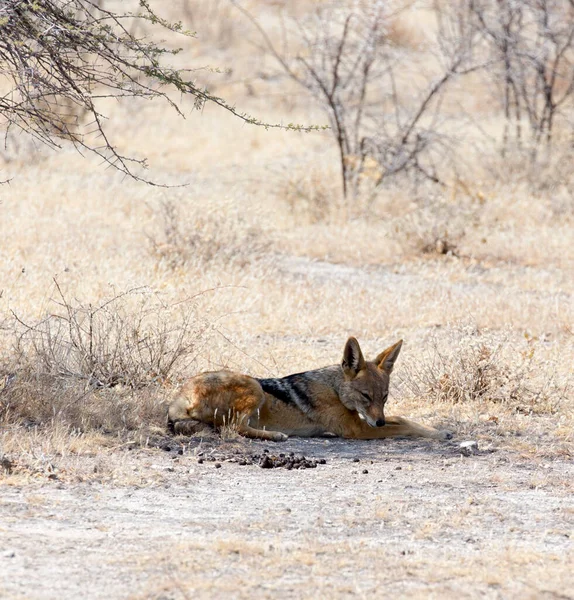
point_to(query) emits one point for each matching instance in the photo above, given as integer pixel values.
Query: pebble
(468, 448)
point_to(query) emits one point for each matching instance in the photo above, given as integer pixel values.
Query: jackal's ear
(353, 360)
(386, 359)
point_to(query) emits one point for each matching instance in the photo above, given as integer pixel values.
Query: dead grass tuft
(478, 366)
(311, 196)
(100, 367)
(216, 237)
(35, 399)
(437, 225)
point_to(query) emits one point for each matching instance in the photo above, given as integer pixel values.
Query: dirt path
(409, 519)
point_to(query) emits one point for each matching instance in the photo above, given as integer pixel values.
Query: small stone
(200, 461)
(217, 465)
(355, 460)
(468, 448)
(365, 471)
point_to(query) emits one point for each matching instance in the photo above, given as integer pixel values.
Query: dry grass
(261, 208)
(476, 366)
(219, 235)
(288, 570)
(37, 400)
(104, 366)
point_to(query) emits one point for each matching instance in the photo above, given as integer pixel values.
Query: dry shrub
(437, 225)
(219, 236)
(101, 366)
(35, 399)
(131, 339)
(550, 182)
(473, 365)
(312, 196)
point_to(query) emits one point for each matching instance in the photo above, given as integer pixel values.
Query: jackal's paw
(188, 427)
(279, 437)
(445, 435)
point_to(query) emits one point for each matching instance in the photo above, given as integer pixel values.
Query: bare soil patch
(412, 518)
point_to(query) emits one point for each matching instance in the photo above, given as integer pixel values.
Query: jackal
(346, 400)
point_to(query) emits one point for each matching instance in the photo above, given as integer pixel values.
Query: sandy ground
(402, 518)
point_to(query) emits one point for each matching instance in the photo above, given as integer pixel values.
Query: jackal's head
(366, 383)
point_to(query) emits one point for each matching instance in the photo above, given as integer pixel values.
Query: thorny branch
(60, 58)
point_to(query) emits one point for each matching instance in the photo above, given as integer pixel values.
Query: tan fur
(346, 400)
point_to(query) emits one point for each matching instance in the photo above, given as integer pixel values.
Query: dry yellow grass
(261, 224)
(291, 271)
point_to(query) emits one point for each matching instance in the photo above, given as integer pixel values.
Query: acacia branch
(60, 58)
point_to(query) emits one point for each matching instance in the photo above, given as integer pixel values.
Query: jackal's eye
(366, 396)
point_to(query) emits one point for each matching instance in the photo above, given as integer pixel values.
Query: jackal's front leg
(399, 426)
(394, 427)
(261, 434)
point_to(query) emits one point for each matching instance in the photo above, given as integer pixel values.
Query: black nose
(380, 422)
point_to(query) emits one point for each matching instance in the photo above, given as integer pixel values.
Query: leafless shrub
(480, 366)
(384, 121)
(214, 236)
(532, 48)
(132, 339)
(105, 367)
